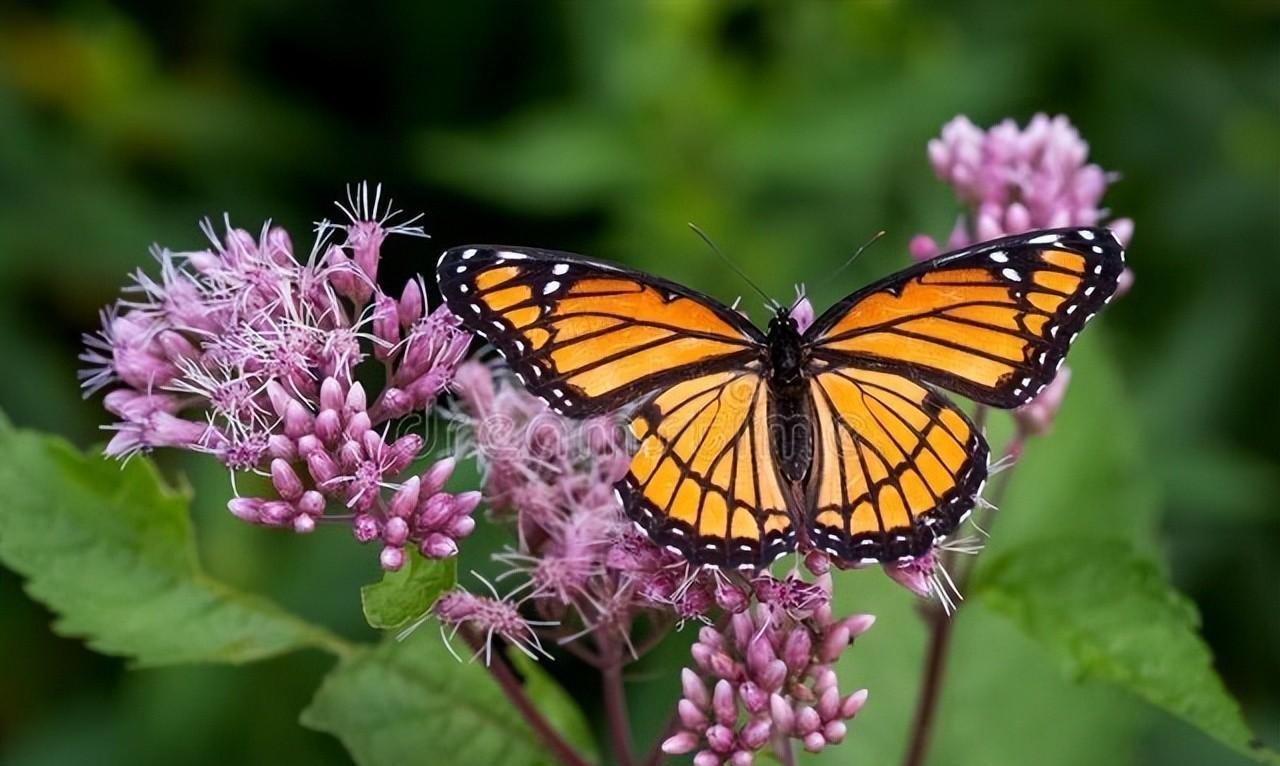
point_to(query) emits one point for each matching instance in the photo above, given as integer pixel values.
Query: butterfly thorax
(786, 352)
(789, 421)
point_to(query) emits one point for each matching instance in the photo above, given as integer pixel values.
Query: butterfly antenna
(715, 249)
(858, 252)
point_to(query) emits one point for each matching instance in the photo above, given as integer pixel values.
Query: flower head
(1013, 179)
(767, 677)
(248, 353)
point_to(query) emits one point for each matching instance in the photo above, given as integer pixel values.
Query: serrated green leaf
(404, 596)
(1113, 617)
(411, 701)
(109, 548)
(555, 704)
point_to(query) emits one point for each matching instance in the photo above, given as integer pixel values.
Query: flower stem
(515, 694)
(941, 624)
(615, 705)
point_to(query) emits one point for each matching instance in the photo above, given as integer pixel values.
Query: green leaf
(109, 548)
(412, 702)
(555, 704)
(404, 596)
(1112, 616)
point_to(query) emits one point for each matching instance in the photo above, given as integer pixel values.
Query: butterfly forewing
(590, 337)
(992, 322)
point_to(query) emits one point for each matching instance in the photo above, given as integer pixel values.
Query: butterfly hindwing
(896, 466)
(992, 322)
(704, 481)
(586, 336)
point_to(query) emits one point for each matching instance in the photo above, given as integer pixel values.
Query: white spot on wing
(468, 254)
(999, 257)
(560, 269)
(550, 287)
(1011, 274)
(1085, 234)
(1044, 239)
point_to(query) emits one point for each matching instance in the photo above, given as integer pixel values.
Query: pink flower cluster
(1013, 180)
(247, 353)
(768, 676)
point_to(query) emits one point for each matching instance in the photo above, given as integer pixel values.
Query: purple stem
(514, 691)
(941, 625)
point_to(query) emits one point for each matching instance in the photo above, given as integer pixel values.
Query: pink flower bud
(722, 703)
(357, 426)
(276, 512)
(309, 444)
(282, 447)
(322, 468)
(720, 738)
(365, 528)
(395, 531)
(756, 733)
(386, 326)
(332, 396)
(922, 248)
(461, 527)
(411, 303)
(803, 314)
(403, 452)
(356, 400)
(304, 524)
(328, 427)
(754, 699)
(297, 420)
(405, 500)
(798, 648)
(434, 479)
(782, 714)
(829, 703)
(814, 742)
(285, 480)
(438, 546)
(693, 689)
(245, 508)
(391, 558)
(691, 716)
(834, 732)
(679, 744)
(436, 511)
(311, 503)
(807, 721)
(853, 703)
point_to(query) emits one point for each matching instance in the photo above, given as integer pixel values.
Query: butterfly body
(751, 444)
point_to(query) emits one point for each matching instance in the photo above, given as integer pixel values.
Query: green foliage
(1113, 617)
(406, 595)
(109, 548)
(411, 701)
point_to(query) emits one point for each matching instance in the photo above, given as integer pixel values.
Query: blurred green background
(791, 133)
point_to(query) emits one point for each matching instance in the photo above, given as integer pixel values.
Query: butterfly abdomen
(790, 422)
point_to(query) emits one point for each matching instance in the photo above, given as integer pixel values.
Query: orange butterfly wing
(586, 336)
(896, 466)
(992, 322)
(704, 481)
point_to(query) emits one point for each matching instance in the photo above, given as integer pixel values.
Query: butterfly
(751, 442)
